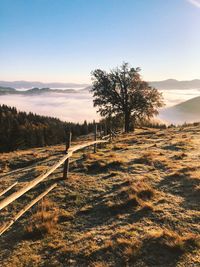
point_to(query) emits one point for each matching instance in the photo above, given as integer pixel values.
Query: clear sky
(64, 40)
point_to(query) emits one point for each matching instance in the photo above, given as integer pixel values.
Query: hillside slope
(190, 106)
(133, 203)
(188, 111)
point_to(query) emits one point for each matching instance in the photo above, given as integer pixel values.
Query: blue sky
(64, 40)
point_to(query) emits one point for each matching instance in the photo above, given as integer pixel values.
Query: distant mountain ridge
(35, 91)
(165, 84)
(28, 85)
(175, 84)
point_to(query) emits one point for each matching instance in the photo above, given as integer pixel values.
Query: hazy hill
(28, 85)
(190, 106)
(35, 91)
(188, 111)
(46, 90)
(175, 84)
(165, 84)
(6, 90)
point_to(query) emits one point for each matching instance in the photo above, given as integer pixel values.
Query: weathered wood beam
(5, 202)
(7, 189)
(26, 208)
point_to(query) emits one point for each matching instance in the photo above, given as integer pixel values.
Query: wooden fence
(69, 151)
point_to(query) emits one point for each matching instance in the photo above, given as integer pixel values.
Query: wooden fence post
(66, 163)
(105, 129)
(110, 138)
(110, 126)
(95, 137)
(100, 134)
(100, 131)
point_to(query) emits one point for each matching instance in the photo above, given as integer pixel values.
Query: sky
(64, 40)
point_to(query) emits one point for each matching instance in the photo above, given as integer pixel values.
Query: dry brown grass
(154, 159)
(131, 196)
(44, 220)
(110, 161)
(195, 174)
(146, 158)
(120, 146)
(179, 156)
(126, 248)
(173, 240)
(132, 250)
(189, 172)
(65, 215)
(99, 264)
(144, 190)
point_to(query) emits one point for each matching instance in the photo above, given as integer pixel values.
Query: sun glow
(195, 3)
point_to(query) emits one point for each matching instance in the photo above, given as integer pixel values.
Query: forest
(21, 130)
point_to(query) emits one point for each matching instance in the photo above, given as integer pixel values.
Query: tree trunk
(133, 123)
(127, 122)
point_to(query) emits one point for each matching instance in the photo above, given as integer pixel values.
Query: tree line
(20, 130)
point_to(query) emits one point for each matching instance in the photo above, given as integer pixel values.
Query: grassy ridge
(133, 203)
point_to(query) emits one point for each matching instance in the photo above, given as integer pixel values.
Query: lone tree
(122, 92)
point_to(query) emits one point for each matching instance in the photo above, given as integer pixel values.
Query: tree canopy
(122, 92)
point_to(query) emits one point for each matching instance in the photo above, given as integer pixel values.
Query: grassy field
(133, 203)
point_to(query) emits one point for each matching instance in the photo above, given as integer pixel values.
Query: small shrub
(179, 156)
(131, 196)
(146, 158)
(43, 221)
(102, 166)
(144, 191)
(174, 241)
(145, 194)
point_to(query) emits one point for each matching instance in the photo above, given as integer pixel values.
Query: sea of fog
(75, 107)
(78, 106)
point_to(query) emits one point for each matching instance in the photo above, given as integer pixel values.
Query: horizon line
(85, 83)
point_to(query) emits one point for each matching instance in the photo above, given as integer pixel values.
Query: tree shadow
(151, 252)
(155, 253)
(182, 184)
(101, 212)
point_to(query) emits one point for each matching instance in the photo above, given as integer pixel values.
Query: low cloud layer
(77, 107)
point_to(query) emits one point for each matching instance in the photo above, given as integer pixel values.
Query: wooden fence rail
(5, 202)
(8, 189)
(26, 208)
(65, 159)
